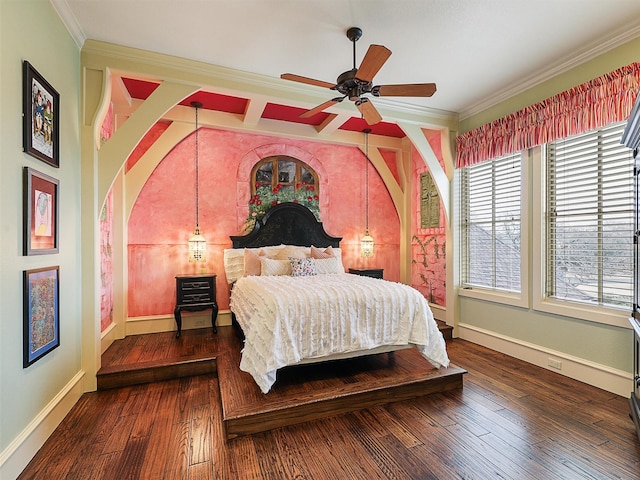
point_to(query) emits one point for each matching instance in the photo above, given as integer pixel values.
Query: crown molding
(69, 20)
(589, 52)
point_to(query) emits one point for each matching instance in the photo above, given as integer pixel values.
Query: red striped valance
(594, 104)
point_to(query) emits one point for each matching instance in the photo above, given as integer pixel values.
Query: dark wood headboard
(289, 224)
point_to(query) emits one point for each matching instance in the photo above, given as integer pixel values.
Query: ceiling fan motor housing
(347, 84)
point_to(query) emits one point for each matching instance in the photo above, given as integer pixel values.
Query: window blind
(589, 219)
(490, 224)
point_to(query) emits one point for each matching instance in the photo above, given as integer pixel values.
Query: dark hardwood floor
(510, 420)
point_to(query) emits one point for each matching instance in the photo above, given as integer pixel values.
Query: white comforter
(289, 319)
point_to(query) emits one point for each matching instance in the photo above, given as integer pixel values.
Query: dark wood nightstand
(367, 272)
(195, 293)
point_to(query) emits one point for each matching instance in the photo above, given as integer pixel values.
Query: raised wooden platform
(301, 393)
(310, 392)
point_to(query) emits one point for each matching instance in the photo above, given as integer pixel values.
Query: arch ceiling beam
(113, 155)
(440, 178)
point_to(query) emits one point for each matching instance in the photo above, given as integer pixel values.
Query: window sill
(506, 298)
(590, 313)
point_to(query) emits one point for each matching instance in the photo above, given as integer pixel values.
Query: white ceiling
(477, 51)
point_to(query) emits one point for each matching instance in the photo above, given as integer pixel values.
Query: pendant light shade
(366, 245)
(197, 247)
(197, 243)
(366, 242)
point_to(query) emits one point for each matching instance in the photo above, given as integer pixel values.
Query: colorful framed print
(40, 213)
(41, 119)
(41, 330)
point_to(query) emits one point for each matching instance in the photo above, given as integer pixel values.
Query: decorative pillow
(320, 253)
(233, 264)
(291, 251)
(302, 267)
(328, 265)
(252, 262)
(269, 266)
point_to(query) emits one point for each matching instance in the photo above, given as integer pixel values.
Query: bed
(295, 304)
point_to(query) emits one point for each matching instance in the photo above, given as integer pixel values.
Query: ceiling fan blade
(308, 81)
(321, 107)
(372, 62)
(368, 111)
(405, 90)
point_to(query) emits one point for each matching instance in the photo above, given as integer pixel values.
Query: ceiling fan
(357, 82)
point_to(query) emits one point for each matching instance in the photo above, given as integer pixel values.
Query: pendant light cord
(366, 184)
(196, 105)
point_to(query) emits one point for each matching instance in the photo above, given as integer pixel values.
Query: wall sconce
(197, 243)
(366, 242)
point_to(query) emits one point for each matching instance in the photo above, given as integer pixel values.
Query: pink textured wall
(428, 266)
(106, 263)
(163, 217)
(106, 240)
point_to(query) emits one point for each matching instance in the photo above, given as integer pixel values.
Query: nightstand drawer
(196, 297)
(194, 285)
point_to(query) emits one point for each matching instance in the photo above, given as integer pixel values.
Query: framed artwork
(40, 213)
(41, 119)
(41, 311)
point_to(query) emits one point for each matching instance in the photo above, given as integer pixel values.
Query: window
(279, 179)
(288, 174)
(589, 219)
(491, 224)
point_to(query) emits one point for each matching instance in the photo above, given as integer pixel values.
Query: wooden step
(447, 330)
(155, 371)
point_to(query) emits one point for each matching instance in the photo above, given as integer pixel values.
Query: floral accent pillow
(302, 267)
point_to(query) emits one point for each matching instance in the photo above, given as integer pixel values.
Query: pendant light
(366, 242)
(197, 243)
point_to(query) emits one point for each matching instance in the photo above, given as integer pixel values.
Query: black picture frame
(40, 213)
(41, 312)
(41, 117)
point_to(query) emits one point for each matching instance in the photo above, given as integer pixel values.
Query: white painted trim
(108, 337)
(70, 21)
(167, 323)
(21, 450)
(439, 312)
(591, 373)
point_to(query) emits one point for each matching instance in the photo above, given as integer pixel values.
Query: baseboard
(591, 373)
(167, 323)
(439, 312)
(22, 449)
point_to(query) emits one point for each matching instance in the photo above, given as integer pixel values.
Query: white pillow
(291, 251)
(234, 260)
(269, 266)
(328, 265)
(233, 264)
